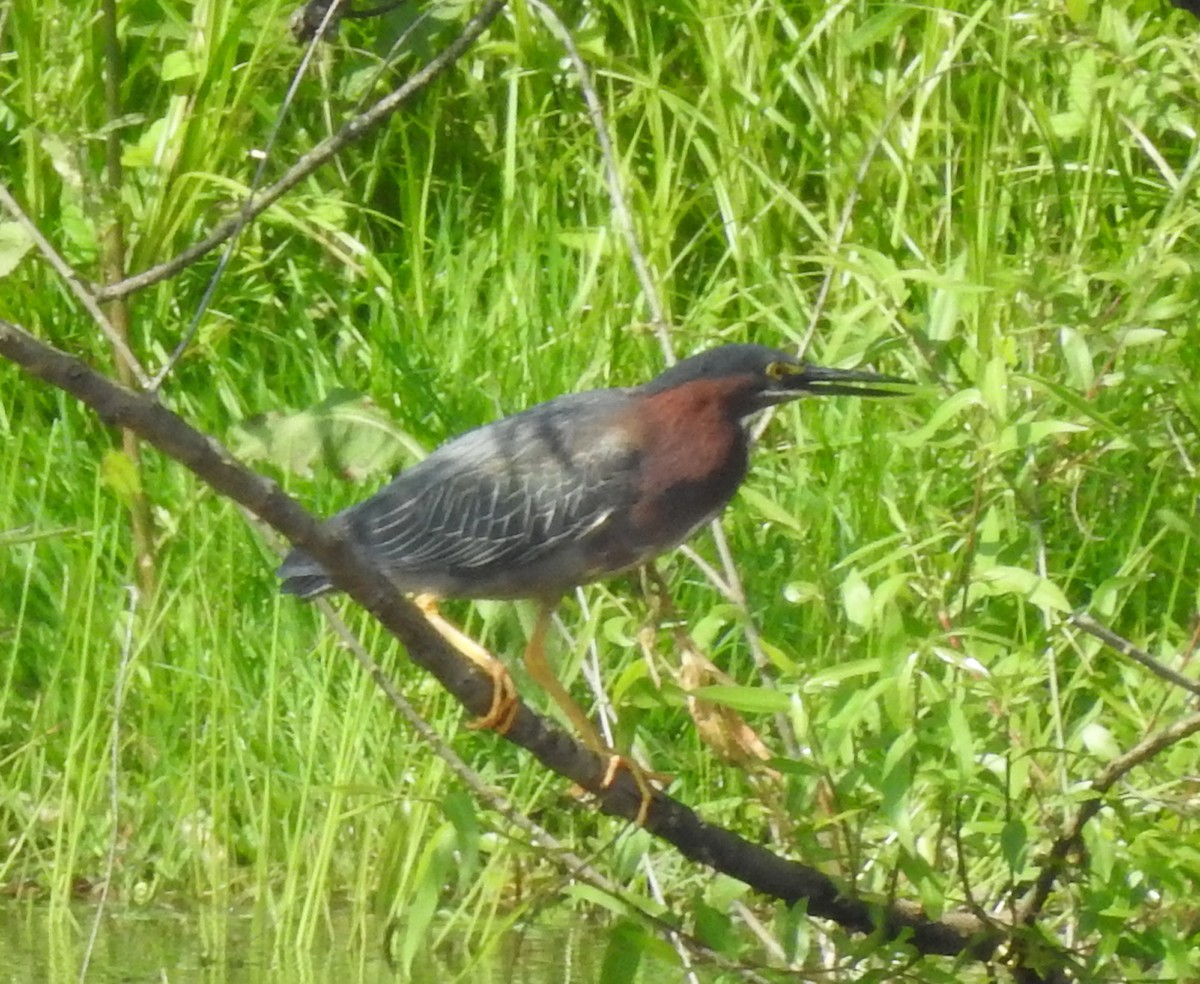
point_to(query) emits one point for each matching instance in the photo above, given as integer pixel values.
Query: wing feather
(504, 496)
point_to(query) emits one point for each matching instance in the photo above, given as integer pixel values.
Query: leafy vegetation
(997, 199)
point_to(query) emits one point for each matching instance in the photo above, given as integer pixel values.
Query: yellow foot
(500, 716)
(503, 710)
(642, 777)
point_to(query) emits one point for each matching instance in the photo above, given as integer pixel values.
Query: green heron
(571, 491)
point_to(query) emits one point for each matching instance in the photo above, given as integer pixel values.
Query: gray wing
(495, 511)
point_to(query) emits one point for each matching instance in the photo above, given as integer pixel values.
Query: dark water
(39, 945)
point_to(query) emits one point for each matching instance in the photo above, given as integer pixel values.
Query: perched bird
(574, 490)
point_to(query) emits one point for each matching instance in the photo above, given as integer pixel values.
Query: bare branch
(570, 863)
(731, 584)
(75, 285)
(668, 819)
(616, 195)
(1084, 621)
(1141, 753)
(244, 216)
(320, 154)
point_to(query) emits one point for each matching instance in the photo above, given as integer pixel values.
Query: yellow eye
(781, 370)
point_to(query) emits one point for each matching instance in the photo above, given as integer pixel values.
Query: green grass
(1020, 187)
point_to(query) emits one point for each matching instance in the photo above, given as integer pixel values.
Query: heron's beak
(820, 381)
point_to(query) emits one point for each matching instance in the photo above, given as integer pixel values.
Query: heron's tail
(303, 576)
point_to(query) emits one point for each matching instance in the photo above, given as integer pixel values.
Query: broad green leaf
(635, 685)
(898, 753)
(885, 24)
(770, 509)
(988, 540)
(779, 659)
(712, 623)
(459, 808)
(714, 927)
(1142, 336)
(856, 600)
(1180, 524)
(961, 741)
(993, 387)
(933, 895)
(78, 229)
(623, 954)
(949, 409)
(801, 592)
(1101, 851)
(1109, 594)
(1080, 372)
(1038, 591)
(1081, 87)
(944, 308)
(14, 244)
(144, 152)
(1017, 437)
(345, 432)
(722, 891)
(748, 700)
(842, 671)
(64, 158)
(178, 65)
(896, 786)
(595, 896)
(431, 875)
(1166, 309)
(1013, 838)
(120, 475)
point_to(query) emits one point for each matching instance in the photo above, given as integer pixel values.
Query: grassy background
(1004, 199)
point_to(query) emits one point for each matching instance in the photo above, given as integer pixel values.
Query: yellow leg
(539, 669)
(543, 676)
(503, 710)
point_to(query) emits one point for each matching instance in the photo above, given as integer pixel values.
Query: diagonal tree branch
(566, 860)
(1084, 621)
(668, 819)
(1056, 862)
(75, 285)
(352, 131)
(244, 216)
(612, 175)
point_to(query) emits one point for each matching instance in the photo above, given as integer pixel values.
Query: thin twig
(616, 194)
(567, 861)
(680, 942)
(352, 131)
(1084, 621)
(377, 11)
(243, 217)
(1141, 753)
(731, 584)
(113, 257)
(75, 284)
(354, 573)
(733, 581)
